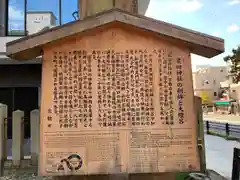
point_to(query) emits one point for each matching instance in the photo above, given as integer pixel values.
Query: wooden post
(90, 7)
(17, 137)
(35, 135)
(200, 133)
(3, 141)
(5, 116)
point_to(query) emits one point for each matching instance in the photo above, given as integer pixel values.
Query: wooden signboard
(117, 101)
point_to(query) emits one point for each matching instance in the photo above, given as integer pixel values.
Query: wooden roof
(31, 46)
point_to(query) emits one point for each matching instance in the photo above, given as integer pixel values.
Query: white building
(208, 81)
(235, 91)
(202, 66)
(37, 20)
(234, 88)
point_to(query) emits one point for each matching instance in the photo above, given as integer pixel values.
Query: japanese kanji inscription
(116, 103)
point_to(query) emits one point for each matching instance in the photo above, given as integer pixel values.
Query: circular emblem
(73, 162)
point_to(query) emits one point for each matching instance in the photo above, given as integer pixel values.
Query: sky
(16, 10)
(215, 17)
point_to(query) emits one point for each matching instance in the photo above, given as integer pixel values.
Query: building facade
(202, 66)
(38, 20)
(20, 81)
(207, 81)
(235, 91)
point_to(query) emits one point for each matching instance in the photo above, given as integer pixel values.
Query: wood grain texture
(164, 138)
(200, 132)
(90, 7)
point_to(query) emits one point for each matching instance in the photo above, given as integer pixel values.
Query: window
(221, 70)
(215, 94)
(31, 16)
(214, 81)
(205, 82)
(16, 18)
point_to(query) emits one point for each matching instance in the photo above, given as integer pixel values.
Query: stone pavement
(233, 119)
(219, 154)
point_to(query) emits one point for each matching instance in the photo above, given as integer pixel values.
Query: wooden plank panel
(127, 5)
(134, 106)
(90, 7)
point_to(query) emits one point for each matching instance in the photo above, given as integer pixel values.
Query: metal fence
(224, 129)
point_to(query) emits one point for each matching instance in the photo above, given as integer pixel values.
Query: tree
(234, 61)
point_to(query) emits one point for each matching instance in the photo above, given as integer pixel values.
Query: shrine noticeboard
(117, 101)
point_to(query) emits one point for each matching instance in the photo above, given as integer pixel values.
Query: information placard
(124, 109)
